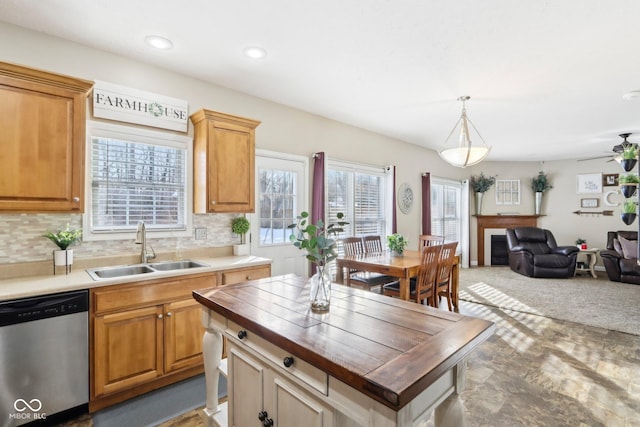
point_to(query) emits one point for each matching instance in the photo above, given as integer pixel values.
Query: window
(446, 209)
(358, 192)
(137, 175)
(278, 194)
(507, 192)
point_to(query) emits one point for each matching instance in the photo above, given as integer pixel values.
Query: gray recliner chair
(534, 252)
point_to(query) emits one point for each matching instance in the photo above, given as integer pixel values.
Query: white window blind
(359, 193)
(133, 181)
(446, 217)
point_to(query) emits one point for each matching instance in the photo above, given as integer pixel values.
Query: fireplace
(488, 222)
(499, 250)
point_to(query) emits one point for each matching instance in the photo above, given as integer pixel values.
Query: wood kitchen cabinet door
(42, 117)
(183, 334)
(128, 348)
(245, 388)
(223, 162)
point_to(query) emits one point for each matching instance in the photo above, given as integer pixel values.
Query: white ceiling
(546, 77)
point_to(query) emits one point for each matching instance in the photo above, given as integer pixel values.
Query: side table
(592, 257)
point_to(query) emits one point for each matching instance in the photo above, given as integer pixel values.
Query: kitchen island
(371, 360)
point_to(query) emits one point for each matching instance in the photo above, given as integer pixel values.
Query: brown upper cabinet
(223, 162)
(42, 117)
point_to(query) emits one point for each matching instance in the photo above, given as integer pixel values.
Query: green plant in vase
(629, 156)
(628, 184)
(319, 243)
(240, 225)
(481, 184)
(629, 209)
(397, 243)
(63, 239)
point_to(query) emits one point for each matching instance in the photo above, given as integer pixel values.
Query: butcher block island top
(385, 348)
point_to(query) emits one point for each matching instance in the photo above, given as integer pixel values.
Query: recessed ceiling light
(158, 42)
(634, 94)
(255, 52)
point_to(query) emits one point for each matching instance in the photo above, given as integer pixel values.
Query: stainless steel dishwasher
(44, 362)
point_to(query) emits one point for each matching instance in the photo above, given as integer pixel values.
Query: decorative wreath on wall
(405, 198)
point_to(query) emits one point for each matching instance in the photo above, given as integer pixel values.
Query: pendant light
(464, 153)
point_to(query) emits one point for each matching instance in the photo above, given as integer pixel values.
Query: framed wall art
(589, 183)
(610, 180)
(589, 203)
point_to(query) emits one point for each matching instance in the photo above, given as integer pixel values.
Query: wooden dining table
(403, 267)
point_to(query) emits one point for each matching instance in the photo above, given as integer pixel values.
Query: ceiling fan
(617, 150)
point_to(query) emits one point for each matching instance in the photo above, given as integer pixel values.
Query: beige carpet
(581, 299)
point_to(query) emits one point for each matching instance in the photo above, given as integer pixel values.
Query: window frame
(144, 136)
(459, 205)
(352, 167)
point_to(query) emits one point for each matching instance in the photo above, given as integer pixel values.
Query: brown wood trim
(500, 221)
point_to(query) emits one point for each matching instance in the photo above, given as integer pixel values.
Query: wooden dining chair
(422, 287)
(363, 279)
(372, 244)
(443, 277)
(429, 240)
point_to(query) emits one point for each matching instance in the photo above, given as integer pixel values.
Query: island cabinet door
(287, 404)
(244, 388)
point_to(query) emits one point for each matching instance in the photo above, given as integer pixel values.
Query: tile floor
(536, 371)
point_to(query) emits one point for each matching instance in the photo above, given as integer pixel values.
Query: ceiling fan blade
(599, 157)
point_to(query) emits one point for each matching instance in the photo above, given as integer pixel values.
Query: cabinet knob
(268, 422)
(248, 277)
(213, 202)
(76, 199)
(169, 314)
(160, 316)
(242, 334)
(262, 415)
(287, 361)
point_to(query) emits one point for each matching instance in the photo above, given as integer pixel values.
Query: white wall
(292, 131)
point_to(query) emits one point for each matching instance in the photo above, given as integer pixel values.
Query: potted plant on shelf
(63, 239)
(629, 212)
(397, 243)
(539, 184)
(240, 225)
(629, 157)
(581, 243)
(480, 185)
(628, 184)
(317, 240)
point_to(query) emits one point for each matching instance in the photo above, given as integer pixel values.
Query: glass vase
(320, 289)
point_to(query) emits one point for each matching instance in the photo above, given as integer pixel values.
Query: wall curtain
(426, 203)
(317, 193)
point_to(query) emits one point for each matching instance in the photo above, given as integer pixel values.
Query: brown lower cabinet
(146, 335)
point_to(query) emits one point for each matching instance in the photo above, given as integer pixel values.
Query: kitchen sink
(102, 273)
(176, 265)
(111, 272)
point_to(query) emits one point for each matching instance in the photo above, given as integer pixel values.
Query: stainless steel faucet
(141, 239)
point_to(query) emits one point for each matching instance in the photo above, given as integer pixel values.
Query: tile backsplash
(23, 241)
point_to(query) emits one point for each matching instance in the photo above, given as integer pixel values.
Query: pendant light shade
(464, 153)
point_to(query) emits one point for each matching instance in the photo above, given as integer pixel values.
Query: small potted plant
(397, 243)
(539, 184)
(317, 240)
(629, 157)
(628, 184)
(240, 225)
(581, 243)
(63, 239)
(480, 184)
(629, 212)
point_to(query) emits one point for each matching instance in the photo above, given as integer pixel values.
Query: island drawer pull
(287, 361)
(242, 334)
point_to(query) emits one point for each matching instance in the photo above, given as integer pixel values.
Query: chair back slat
(372, 244)
(429, 240)
(352, 245)
(445, 265)
(425, 282)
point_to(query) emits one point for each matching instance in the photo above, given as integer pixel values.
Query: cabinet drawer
(149, 292)
(300, 369)
(238, 276)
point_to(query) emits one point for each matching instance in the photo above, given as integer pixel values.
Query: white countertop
(23, 287)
